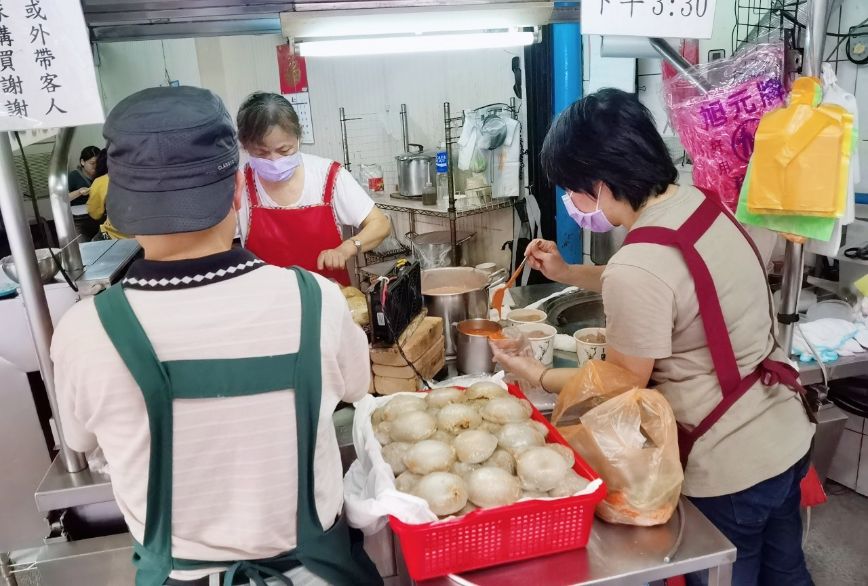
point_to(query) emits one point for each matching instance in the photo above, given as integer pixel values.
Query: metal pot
(455, 294)
(44, 262)
(434, 249)
(604, 245)
(474, 351)
(417, 173)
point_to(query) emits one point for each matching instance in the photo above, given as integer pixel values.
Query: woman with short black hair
(80, 178)
(689, 313)
(296, 203)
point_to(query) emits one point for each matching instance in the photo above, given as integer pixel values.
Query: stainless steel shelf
(842, 368)
(103, 261)
(60, 489)
(462, 209)
(374, 257)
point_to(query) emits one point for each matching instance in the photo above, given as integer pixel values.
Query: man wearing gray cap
(209, 377)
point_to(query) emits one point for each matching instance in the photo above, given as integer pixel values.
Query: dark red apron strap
(252, 192)
(733, 387)
(713, 322)
(331, 180)
(710, 195)
(713, 197)
(686, 438)
(652, 235)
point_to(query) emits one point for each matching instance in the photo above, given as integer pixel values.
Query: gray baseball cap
(172, 158)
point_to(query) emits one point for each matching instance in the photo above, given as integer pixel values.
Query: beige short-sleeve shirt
(652, 312)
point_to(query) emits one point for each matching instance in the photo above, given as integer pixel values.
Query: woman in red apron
(296, 204)
(688, 311)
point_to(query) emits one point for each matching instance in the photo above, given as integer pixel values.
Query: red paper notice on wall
(293, 71)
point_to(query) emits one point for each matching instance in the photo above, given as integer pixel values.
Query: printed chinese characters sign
(691, 19)
(47, 78)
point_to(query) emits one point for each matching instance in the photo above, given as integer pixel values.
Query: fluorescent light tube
(443, 18)
(414, 44)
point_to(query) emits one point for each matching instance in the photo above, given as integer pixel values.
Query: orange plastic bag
(629, 436)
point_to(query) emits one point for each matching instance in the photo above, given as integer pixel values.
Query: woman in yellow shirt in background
(97, 198)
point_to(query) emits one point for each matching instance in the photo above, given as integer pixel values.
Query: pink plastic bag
(717, 129)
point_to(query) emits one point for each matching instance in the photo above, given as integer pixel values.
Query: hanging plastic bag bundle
(629, 436)
(801, 162)
(717, 128)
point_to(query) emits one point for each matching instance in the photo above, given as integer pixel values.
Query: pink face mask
(277, 170)
(595, 221)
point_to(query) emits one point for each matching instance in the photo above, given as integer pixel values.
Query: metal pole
(450, 181)
(405, 130)
(344, 142)
(791, 286)
(58, 192)
(794, 256)
(32, 293)
(681, 64)
(815, 36)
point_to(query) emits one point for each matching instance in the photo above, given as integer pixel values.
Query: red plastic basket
(496, 536)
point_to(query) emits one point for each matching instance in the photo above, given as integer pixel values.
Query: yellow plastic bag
(801, 160)
(629, 436)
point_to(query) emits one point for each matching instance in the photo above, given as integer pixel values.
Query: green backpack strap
(308, 395)
(132, 344)
(335, 555)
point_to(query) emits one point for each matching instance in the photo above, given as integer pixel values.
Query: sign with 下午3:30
(692, 19)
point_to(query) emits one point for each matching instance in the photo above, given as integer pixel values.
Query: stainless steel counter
(618, 555)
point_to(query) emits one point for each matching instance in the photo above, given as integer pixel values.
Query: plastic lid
(423, 156)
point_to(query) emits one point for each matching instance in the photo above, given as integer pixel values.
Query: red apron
(295, 236)
(733, 386)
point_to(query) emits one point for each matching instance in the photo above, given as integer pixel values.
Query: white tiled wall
(852, 78)
(491, 229)
(371, 89)
(371, 139)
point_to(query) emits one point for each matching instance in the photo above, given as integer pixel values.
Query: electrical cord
(843, 38)
(50, 243)
(848, 404)
(43, 224)
(815, 354)
(165, 64)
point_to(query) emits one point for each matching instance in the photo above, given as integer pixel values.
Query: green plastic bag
(808, 226)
